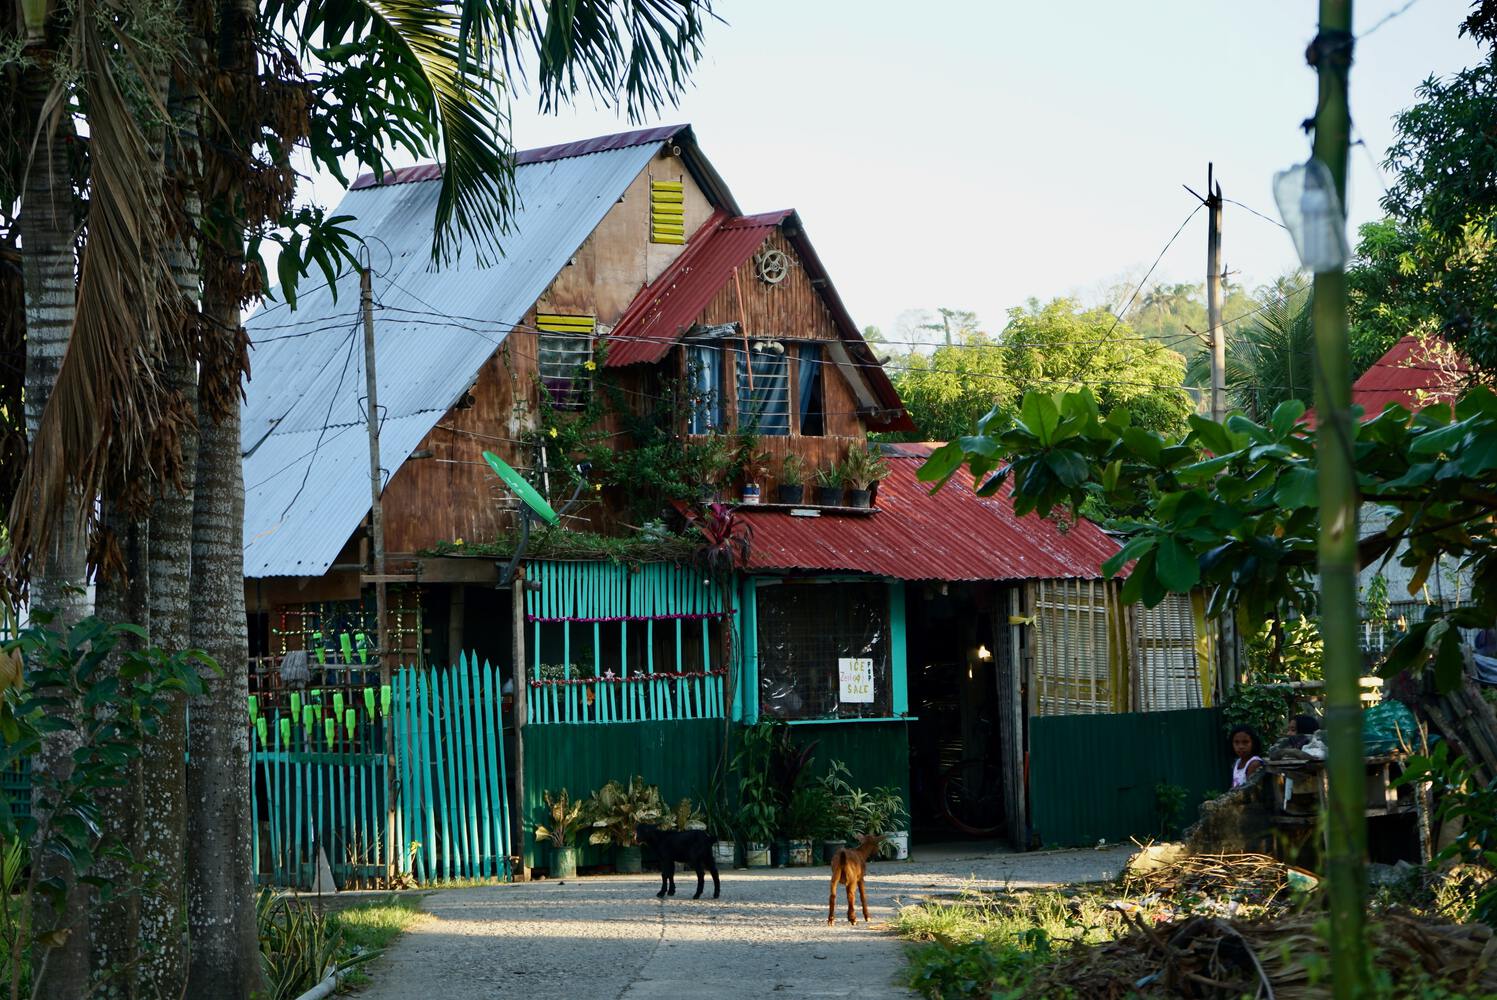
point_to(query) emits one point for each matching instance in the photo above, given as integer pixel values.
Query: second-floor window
(566, 355)
(809, 382)
(704, 377)
(764, 389)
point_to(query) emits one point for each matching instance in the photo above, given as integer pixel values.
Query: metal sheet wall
(1094, 776)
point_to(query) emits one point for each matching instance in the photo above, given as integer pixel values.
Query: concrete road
(609, 938)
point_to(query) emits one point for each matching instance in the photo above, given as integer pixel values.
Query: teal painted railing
(321, 782)
(624, 683)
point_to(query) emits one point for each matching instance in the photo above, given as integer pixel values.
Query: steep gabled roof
(306, 464)
(952, 535)
(663, 312)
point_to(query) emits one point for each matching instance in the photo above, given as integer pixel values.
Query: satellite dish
(535, 506)
(533, 500)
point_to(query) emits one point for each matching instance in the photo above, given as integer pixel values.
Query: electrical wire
(1250, 209)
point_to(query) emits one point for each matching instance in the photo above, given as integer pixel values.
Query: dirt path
(609, 938)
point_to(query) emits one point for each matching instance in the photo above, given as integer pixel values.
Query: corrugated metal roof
(951, 535)
(666, 308)
(434, 330)
(1410, 375)
(662, 312)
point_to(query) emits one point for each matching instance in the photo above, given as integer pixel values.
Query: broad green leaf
(1175, 566)
(1134, 548)
(1041, 416)
(1298, 488)
(1285, 415)
(1069, 467)
(943, 462)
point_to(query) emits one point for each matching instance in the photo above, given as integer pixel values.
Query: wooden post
(1214, 297)
(377, 537)
(521, 717)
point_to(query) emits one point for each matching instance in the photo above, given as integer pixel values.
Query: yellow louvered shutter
(566, 352)
(667, 212)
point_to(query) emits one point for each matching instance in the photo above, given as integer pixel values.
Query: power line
(1254, 211)
(1388, 17)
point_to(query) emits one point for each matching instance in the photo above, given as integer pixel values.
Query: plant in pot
(829, 486)
(718, 822)
(787, 768)
(561, 830)
(754, 466)
(889, 818)
(792, 488)
(809, 817)
(614, 811)
(756, 793)
(860, 470)
(684, 815)
(714, 463)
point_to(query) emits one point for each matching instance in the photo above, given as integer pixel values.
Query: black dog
(692, 848)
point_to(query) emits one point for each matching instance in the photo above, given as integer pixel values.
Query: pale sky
(973, 154)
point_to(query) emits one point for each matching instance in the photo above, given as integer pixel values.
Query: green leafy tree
(1269, 356)
(1044, 347)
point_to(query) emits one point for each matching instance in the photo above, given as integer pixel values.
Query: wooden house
(639, 321)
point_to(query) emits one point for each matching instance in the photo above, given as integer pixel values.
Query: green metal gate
(1095, 777)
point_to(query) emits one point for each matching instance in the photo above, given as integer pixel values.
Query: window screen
(764, 390)
(566, 346)
(704, 375)
(809, 383)
(804, 631)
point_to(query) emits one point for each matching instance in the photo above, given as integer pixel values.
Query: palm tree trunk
(226, 961)
(58, 584)
(114, 923)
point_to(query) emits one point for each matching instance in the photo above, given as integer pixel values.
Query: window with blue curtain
(704, 376)
(809, 383)
(764, 390)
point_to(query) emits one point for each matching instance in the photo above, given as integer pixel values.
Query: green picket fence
(320, 769)
(454, 812)
(319, 774)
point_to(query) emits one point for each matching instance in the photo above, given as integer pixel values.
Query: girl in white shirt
(1247, 746)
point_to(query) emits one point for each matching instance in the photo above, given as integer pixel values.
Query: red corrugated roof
(597, 144)
(951, 535)
(1410, 374)
(662, 312)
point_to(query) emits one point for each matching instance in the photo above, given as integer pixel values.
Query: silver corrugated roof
(303, 499)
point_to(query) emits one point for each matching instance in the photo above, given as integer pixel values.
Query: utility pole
(1213, 201)
(1346, 834)
(377, 570)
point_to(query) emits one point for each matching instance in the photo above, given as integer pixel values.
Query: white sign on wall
(855, 679)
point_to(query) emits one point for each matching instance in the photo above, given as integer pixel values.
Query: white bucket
(723, 852)
(899, 843)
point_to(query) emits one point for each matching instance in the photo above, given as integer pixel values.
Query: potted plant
(787, 767)
(829, 486)
(860, 470)
(850, 813)
(715, 459)
(792, 488)
(684, 815)
(718, 823)
(561, 831)
(614, 811)
(809, 816)
(756, 793)
(889, 818)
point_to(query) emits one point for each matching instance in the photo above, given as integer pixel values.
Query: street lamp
(1312, 213)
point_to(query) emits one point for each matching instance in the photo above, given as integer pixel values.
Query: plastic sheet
(803, 633)
(1387, 727)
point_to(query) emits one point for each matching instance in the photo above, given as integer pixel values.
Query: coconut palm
(1269, 356)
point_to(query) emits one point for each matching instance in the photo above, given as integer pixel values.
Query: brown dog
(849, 865)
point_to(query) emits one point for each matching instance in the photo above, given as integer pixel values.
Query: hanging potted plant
(862, 468)
(614, 811)
(792, 488)
(756, 793)
(829, 486)
(561, 831)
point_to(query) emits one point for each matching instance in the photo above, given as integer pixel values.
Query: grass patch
(373, 926)
(977, 945)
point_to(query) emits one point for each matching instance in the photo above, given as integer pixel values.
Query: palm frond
(107, 408)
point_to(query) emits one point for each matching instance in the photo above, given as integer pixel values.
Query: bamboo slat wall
(1073, 668)
(662, 600)
(1166, 664)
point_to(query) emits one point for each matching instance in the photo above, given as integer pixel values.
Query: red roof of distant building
(951, 535)
(1413, 374)
(665, 309)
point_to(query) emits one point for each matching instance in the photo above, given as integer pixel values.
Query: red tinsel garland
(632, 679)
